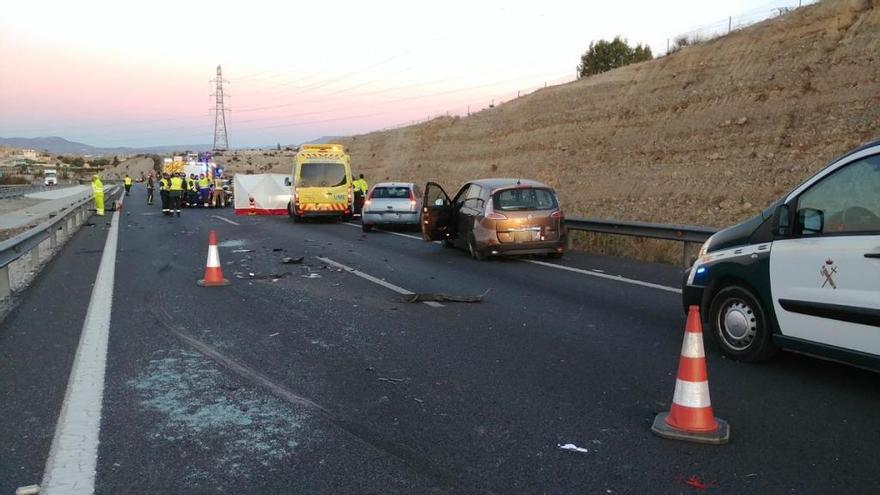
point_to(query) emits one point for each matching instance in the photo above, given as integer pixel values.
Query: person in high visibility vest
(204, 190)
(191, 190)
(98, 194)
(175, 191)
(360, 191)
(151, 185)
(127, 183)
(164, 185)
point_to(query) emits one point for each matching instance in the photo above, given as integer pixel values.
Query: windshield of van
(527, 198)
(321, 175)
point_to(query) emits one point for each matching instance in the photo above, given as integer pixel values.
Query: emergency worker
(150, 186)
(218, 195)
(164, 185)
(98, 194)
(190, 190)
(360, 191)
(204, 190)
(127, 183)
(175, 192)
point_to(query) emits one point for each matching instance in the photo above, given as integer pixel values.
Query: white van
(50, 177)
(804, 275)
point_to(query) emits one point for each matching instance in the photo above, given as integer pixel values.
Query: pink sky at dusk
(98, 73)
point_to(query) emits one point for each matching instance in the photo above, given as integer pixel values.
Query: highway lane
(372, 394)
(38, 340)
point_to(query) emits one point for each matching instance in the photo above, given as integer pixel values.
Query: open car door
(436, 218)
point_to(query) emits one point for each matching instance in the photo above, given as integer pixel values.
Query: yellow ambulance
(321, 183)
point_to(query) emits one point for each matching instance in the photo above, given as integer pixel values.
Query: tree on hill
(605, 55)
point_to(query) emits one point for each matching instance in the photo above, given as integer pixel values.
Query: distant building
(30, 154)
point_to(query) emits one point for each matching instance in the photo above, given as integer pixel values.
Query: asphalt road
(307, 378)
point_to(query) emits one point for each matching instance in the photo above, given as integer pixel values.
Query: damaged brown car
(496, 217)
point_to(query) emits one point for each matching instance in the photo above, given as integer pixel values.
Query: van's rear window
(526, 198)
(390, 193)
(321, 175)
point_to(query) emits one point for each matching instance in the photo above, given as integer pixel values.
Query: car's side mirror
(287, 181)
(782, 221)
(811, 220)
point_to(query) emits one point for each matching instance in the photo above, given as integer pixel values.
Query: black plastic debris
(443, 297)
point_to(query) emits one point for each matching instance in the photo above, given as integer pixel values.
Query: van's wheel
(366, 227)
(472, 248)
(739, 325)
(292, 213)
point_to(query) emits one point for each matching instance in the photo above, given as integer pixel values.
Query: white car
(391, 203)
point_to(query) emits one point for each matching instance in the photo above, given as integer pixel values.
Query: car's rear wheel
(554, 256)
(472, 248)
(739, 325)
(366, 227)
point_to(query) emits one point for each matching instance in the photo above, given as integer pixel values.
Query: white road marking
(218, 217)
(617, 278)
(70, 469)
(592, 272)
(387, 285)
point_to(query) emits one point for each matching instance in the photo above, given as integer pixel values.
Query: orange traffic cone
(213, 272)
(690, 417)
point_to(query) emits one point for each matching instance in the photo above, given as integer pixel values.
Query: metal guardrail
(668, 232)
(65, 222)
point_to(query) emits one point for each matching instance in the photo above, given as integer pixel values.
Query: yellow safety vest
(176, 184)
(163, 184)
(361, 185)
(190, 183)
(204, 182)
(128, 181)
(97, 187)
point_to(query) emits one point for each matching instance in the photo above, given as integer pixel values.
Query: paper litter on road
(290, 261)
(242, 250)
(574, 448)
(312, 275)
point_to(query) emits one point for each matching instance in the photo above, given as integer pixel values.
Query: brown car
(492, 217)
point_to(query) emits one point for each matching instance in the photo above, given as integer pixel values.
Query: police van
(804, 275)
(321, 183)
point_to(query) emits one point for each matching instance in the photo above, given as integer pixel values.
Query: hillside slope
(708, 135)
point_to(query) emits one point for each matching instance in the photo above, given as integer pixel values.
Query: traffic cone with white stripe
(690, 417)
(213, 271)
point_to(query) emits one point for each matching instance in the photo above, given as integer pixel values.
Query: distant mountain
(59, 145)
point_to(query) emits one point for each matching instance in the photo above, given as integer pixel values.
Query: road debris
(695, 482)
(272, 276)
(290, 261)
(393, 381)
(311, 275)
(277, 249)
(242, 250)
(573, 448)
(443, 297)
(274, 334)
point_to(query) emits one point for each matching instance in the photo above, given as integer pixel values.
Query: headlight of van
(696, 266)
